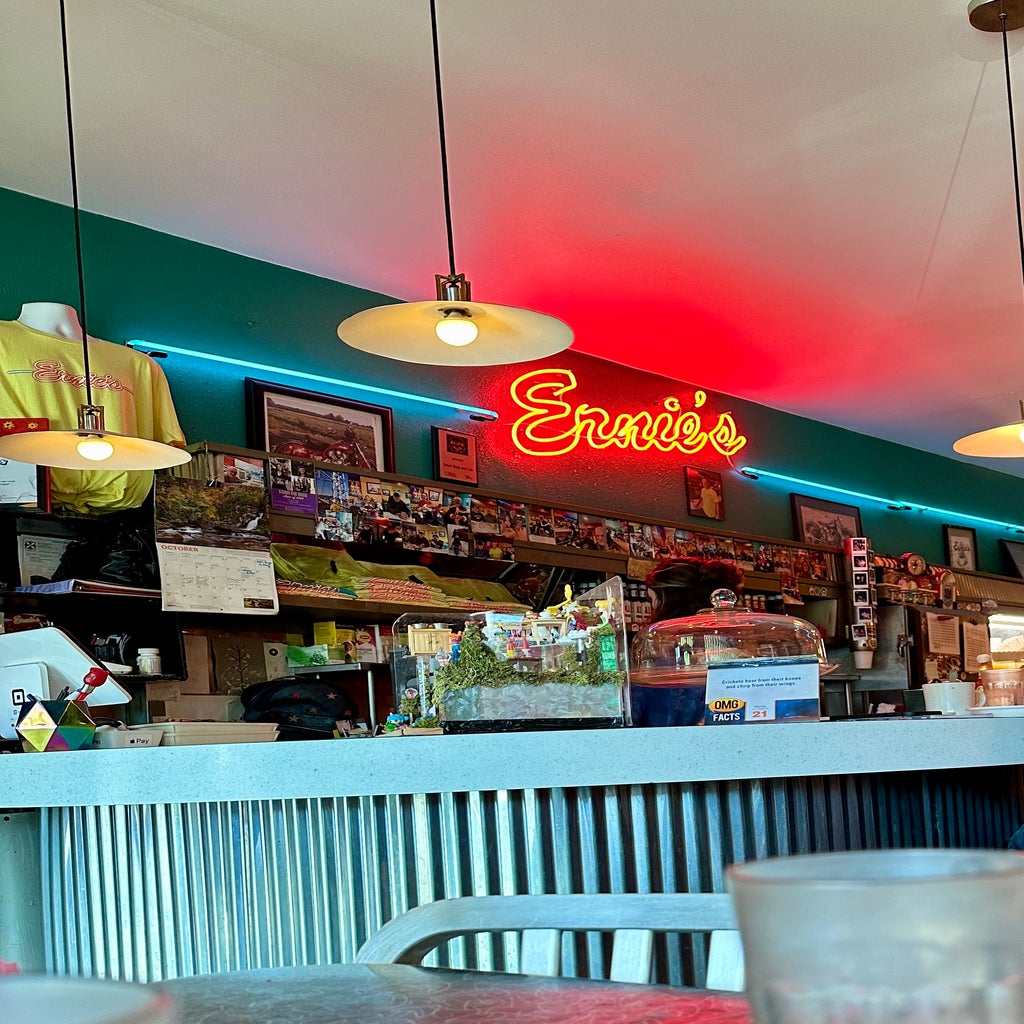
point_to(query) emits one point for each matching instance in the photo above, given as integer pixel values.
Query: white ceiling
(807, 205)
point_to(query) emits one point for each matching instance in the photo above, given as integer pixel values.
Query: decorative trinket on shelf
(429, 639)
(55, 725)
(860, 566)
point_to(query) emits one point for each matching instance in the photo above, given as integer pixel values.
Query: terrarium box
(565, 667)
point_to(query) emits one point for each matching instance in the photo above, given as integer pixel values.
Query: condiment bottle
(149, 661)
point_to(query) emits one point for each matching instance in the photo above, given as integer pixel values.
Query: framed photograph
(307, 425)
(824, 522)
(1015, 551)
(961, 547)
(454, 456)
(704, 493)
(23, 487)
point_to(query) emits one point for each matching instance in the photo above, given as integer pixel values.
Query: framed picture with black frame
(961, 547)
(320, 428)
(1015, 552)
(824, 522)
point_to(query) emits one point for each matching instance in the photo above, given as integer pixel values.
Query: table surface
(399, 994)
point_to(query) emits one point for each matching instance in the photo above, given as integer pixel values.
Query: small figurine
(568, 605)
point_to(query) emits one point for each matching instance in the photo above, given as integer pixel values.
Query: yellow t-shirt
(43, 375)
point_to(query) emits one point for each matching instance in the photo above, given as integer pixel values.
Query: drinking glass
(1001, 686)
(871, 937)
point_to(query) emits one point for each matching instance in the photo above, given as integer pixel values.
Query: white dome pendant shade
(90, 447)
(410, 331)
(1005, 442)
(453, 330)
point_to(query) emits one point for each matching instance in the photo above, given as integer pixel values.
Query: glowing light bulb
(456, 328)
(1021, 435)
(95, 449)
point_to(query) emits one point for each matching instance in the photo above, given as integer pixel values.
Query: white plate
(31, 999)
(192, 740)
(180, 734)
(198, 728)
(1006, 711)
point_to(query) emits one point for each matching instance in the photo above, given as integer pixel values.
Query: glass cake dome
(678, 652)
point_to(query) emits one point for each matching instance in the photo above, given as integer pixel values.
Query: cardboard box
(198, 665)
(196, 708)
(238, 662)
(325, 633)
(302, 657)
(274, 660)
(369, 646)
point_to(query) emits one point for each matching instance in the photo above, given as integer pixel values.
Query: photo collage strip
(358, 508)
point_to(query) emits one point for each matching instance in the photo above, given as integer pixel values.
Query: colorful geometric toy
(55, 725)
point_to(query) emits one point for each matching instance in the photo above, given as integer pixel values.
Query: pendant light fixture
(453, 330)
(1007, 441)
(91, 446)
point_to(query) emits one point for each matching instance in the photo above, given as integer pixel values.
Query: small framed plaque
(23, 487)
(454, 456)
(961, 547)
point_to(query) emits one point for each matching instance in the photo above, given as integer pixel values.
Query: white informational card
(194, 578)
(19, 483)
(943, 634)
(762, 690)
(976, 642)
(39, 556)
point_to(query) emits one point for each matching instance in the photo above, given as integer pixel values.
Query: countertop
(499, 761)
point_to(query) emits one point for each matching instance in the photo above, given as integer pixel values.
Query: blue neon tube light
(896, 504)
(473, 411)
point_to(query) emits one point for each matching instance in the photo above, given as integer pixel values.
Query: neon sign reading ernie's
(551, 426)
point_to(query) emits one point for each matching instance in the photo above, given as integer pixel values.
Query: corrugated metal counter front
(157, 863)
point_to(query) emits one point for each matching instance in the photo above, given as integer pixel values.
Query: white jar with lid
(148, 661)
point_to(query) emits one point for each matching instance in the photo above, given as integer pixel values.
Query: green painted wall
(142, 284)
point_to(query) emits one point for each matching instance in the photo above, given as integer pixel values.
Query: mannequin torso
(51, 318)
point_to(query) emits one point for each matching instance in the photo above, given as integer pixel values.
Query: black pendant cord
(74, 204)
(1013, 143)
(444, 148)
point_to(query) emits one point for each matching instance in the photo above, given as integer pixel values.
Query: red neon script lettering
(49, 371)
(551, 426)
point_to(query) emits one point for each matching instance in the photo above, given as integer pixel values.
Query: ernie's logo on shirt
(50, 371)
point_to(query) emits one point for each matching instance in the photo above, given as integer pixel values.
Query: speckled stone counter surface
(396, 994)
(153, 863)
(498, 761)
